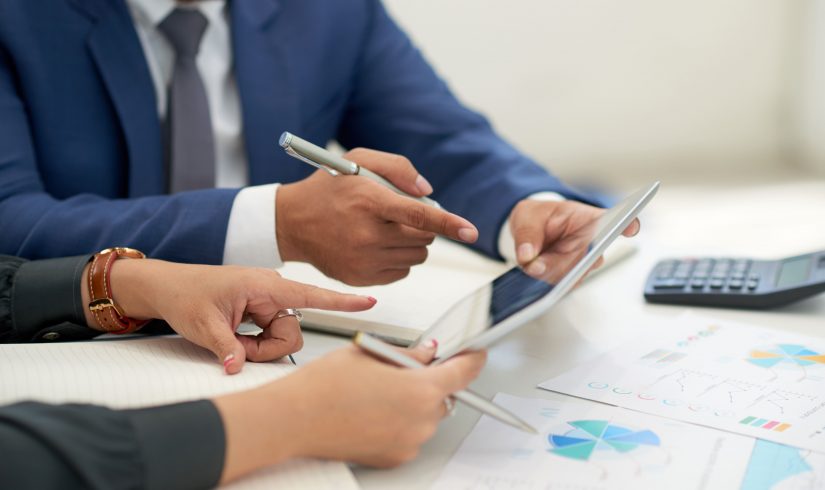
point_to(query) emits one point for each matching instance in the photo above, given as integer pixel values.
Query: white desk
(766, 221)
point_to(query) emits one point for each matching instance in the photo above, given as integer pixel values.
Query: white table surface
(767, 221)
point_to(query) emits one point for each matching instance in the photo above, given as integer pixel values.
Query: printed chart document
(140, 372)
(584, 446)
(754, 381)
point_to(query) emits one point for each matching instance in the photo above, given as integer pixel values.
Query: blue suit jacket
(81, 159)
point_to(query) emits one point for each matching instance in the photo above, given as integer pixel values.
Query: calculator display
(793, 272)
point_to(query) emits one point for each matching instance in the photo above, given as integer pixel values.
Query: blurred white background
(621, 91)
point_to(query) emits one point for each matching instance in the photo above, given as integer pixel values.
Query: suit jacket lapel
(269, 100)
(116, 50)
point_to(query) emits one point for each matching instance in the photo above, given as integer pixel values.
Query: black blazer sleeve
(177, 446)
(40, 301)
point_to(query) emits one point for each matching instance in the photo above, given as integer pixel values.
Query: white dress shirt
(250, 234)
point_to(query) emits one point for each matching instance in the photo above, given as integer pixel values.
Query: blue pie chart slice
(588, 436)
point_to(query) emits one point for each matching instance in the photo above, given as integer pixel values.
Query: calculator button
(717, 284)
(664, 272)
(738, 276)
(697, 284)
(720, 271)
(753, 277)
(753, 284)
(669, 284)
(735, 284)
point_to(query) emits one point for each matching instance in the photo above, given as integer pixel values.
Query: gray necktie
(190, 143)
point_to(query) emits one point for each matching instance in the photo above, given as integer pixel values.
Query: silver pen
(336, 165)
(469, 398)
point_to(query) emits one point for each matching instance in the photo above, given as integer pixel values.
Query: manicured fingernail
(227, 361)
(467, 234)
(423, 185)
(537, 268)
(525, 252)
(432, 344)
(372, 300)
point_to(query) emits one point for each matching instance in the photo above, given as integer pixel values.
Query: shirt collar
(154, 11)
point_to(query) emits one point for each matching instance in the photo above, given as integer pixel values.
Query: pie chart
(785, 353)
(587, 437)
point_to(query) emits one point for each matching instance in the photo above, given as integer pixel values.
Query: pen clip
(294, 154)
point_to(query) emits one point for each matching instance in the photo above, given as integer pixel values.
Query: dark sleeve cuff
(46, 302)
(182, 445)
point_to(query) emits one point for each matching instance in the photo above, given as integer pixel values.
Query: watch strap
(102, 305)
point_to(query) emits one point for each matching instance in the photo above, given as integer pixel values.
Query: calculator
(736, 282)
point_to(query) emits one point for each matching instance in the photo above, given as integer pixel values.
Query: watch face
(124, 252)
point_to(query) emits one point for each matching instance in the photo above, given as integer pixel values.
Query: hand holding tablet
(514, 298)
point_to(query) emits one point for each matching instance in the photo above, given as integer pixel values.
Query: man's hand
(551, 237)
(360, 232)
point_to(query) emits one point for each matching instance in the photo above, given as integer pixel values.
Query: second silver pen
(469, 398)
(334, 164)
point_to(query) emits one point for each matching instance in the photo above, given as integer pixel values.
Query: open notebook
(139, 372)
(408, 307)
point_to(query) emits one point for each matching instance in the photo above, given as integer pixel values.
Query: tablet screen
(513, 291)
(514, 297)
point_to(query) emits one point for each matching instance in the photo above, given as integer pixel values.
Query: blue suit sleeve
(186, 227)
(400, 105)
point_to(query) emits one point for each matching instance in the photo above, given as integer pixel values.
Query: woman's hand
(205, 304)
(345, 406)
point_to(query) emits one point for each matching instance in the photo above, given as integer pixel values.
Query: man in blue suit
(153, 124)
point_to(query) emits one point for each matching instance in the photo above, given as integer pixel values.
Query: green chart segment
(586, 437)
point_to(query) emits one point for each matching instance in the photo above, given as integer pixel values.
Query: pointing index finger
(412, 213)
(299, 295)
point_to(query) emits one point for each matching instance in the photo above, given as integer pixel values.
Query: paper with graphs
(755, 381)
(587, 446)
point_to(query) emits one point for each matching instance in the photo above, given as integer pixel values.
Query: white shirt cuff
(506, 244)
(250, 234)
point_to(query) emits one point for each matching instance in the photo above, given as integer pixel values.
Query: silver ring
(289, 312)
(449, 404)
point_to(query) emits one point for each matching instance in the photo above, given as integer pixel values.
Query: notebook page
(122, 373)
(128, 373)
(407, 307)
(304, 474)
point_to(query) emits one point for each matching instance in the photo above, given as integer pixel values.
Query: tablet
(513, 299)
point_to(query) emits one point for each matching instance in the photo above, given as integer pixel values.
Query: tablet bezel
(496, 332)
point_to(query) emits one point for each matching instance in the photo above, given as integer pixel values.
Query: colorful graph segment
(588, 436)
(785, 353)
(772, 463)
(765, 424)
